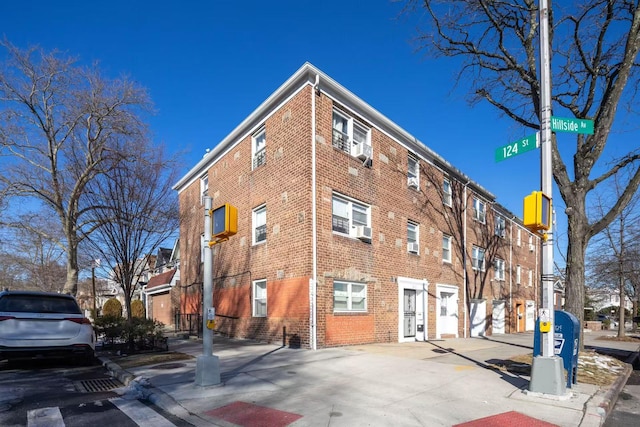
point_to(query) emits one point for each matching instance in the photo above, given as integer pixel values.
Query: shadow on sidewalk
(226, 376)
(513, 379)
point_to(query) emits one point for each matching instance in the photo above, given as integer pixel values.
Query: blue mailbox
(566, 339)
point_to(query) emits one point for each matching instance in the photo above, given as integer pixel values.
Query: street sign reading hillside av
(520, 146)
(561, 124)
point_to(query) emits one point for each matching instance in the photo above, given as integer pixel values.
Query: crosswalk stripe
(141, 413)
(45, 417)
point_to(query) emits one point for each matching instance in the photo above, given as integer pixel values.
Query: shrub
(137, 309)
(112, 308)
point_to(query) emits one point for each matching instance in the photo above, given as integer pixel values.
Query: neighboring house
(161, 292)
(114, 289)
(606, 297)
(558, 293)
(350, 230)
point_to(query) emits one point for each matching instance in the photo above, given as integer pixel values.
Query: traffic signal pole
(547, 371)
(207, 365)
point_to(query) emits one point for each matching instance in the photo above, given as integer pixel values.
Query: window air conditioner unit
(363, 151)
(363, 233)
(413, 247)
(412, 182)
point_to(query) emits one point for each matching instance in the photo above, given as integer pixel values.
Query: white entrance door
(498, 322)
(447, 306)
(530, 312)
(411, 313)
(478, 318)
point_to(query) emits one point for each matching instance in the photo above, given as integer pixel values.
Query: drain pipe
(313, 283)
(425, 308)
(464, 258)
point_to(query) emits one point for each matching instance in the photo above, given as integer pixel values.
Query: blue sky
(208, 64)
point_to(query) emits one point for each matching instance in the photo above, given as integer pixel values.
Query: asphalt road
(626, 412)
(57, 394)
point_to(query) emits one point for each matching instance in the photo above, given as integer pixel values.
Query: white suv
(43, 324)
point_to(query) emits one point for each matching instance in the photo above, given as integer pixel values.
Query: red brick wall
(285, 260)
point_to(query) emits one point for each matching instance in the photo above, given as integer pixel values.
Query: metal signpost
(207, 365)
(520, 146)
(547, 372)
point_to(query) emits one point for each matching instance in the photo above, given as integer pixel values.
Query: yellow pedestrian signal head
(225, 221)
(537, 211)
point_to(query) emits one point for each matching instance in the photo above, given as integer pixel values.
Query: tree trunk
(576, 249)
(71, 285)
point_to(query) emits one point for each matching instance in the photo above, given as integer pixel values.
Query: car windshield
(38, 304)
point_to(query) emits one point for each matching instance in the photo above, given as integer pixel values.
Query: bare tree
(138, 212)
(612, 257)
(595, 47)
(61, 126)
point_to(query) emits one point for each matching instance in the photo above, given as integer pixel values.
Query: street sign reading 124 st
(520, 146)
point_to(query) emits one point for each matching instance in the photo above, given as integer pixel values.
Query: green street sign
(520, 146)
(561, 124)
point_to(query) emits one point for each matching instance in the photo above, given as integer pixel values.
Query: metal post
(207, 365)
(94, 315)
(547, 372)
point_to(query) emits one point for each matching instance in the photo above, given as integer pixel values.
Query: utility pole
(207, 365)
(547, 371)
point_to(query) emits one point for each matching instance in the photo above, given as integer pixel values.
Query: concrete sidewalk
(436, 383)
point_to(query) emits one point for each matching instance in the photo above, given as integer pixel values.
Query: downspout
(313, 295)
(511, 274)
(425, 308)
(464, 258)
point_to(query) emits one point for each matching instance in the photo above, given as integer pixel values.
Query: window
(413, 237)
(260, 224)
(204, 187)
(348, 296)
(350, 136)
(530, 278)
(518, 274)
(500, 226)
(446, 248)
(477, 258)
(350, 217)
(446, 192)
(519, 238)
(258, 144)
(479, 210)
(259, 297)
(531, 247)
(413, 171)
(498, 266)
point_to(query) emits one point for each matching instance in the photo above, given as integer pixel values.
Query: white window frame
(530, 278)
(519, 237)
(499, 265)
(204, 187)
(447, 193)
(353, 208)
(347, 139)
(446, 248)
(413, 228)
(518, 274)
(349, 295)
(478, 258)
(500, 226)
(531, 247)
(258, 295)
(259, 220)
(413, 171)
(479, 210)
(259, 148)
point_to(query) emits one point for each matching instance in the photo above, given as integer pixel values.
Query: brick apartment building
(350, 230)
